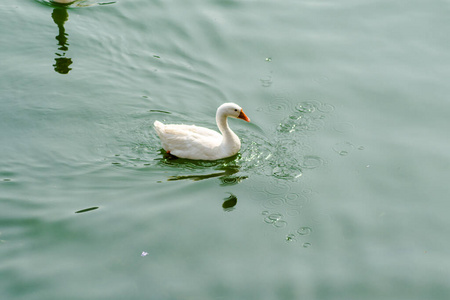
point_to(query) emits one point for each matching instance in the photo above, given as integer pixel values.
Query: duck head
(232, 110)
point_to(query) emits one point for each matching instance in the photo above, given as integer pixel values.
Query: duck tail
(159, 127)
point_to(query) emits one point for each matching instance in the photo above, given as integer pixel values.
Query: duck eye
(235, 109)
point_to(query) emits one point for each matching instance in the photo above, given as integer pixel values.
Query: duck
(200, 143)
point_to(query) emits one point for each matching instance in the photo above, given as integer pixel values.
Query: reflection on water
(227, 166)
(62, 63)
(60, 16)
(63, 1)
(229, 203)
(227, 172)
(86, 210)
(74, 3)
(226, 176)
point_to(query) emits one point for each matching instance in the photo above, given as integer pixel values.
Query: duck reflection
(229, 203)
(227, 167)
(62, 63)
(226, 176)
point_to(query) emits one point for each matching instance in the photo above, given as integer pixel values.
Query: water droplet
(326, 108)
(295, 199)
(276, 220)
(311, 162)
(279, 105)
(273, 203)
(306, 245)
(231, 180)
(343, 148)
(278, 171)
(280, 224)
(315, 125)
(293, 212)
(290, 238)
(307, 191)
(272, 218)
(277, 188)
(306, 107)
(266, 81)
(286, 172)
(344, 127)
(291, 196)
(269, 59)
(143, 254)
(304, 231)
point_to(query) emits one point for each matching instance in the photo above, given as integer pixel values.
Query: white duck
(200, 143)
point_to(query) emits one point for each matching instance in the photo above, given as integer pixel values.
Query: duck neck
(228, 135)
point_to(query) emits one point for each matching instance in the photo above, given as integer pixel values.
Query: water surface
(339, 191)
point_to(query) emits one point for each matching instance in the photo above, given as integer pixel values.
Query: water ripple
(276, 219)
(272, 218)
(311, 162)
(279, 105)
(304, 231)
(273, 203)
(344, 127)
(288, 154)
(293, 199)
(343, 148)
(277, 188)
(284, 158)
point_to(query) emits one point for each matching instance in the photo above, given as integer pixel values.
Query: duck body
(200, 143)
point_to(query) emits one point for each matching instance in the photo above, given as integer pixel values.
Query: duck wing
(188, 141)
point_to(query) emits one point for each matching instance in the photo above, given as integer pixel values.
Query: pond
(339, 190)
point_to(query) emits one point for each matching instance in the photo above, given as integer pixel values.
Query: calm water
(340, 190)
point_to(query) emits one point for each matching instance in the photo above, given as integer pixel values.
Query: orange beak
(243, 116)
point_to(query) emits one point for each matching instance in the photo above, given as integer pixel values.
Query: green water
(340, 190)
